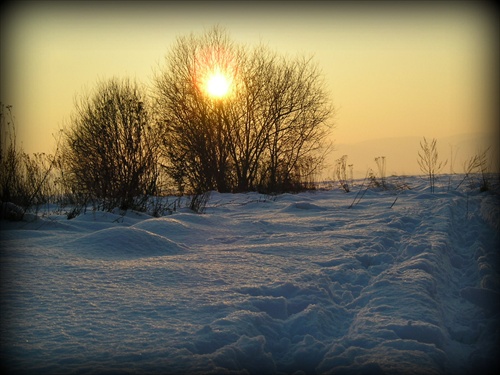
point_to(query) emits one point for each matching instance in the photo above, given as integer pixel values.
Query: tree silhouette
(110, 147)
(263, 134)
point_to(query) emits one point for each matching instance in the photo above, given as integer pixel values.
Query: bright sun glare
(218, 85)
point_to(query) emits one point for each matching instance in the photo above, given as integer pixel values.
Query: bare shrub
(110, 151)
(341, 173)
(198, 202)
(380, 161)
(428, 161)
(477, 165)
(24, 179)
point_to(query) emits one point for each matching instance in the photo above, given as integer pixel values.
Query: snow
(288, 284)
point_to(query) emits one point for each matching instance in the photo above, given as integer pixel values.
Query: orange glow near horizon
(393, 73)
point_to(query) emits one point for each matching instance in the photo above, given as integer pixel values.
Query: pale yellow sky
(427, 69)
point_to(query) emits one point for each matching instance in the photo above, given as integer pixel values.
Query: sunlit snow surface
(259, 285)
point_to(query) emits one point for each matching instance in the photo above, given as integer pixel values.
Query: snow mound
(164, 226)
(181, 228)
(302, 206)
(124, 242)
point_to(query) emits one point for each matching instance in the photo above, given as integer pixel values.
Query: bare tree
(299, 109)
(428, 161)
(273, 118)
(110, 147)
(193, 131)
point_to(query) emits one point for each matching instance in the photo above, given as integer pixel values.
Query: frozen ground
(294, 284)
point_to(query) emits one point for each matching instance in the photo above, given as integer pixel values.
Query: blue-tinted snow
(258, 285)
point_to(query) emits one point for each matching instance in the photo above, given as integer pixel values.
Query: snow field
(291, 284)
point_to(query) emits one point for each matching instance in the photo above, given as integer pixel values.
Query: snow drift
(121, 242)
(294, 284)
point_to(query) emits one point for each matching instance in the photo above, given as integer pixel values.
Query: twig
(360, 188)
(393, 203)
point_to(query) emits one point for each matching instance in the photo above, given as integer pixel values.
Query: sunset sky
(392, 70)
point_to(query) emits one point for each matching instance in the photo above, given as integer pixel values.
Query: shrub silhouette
(428, 161)
(25, 181)
(110, 148)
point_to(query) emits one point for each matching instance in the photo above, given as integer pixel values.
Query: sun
(217, 85)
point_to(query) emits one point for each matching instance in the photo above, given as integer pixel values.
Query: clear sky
(409, 70)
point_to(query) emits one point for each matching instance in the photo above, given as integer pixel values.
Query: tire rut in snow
(399, 309)
(474, 285)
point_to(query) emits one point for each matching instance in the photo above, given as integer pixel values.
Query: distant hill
(401, 153)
